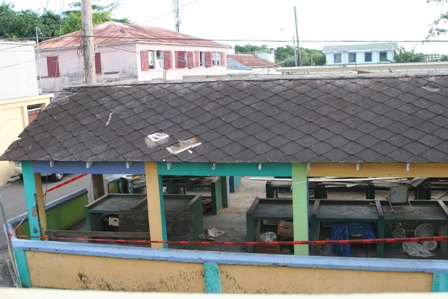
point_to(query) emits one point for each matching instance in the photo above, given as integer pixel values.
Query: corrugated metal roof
(361, 47)
(252, 60)
(115, 32)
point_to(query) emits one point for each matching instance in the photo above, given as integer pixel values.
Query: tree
(100, 14)
(250, 49)
(403, 56)
(285, 56)
(312, 57)
(444, 58)
(8, 18)
(435, 29)
(22, 24)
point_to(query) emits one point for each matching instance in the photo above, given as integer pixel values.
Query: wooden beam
(40, 203)
(98, 186)
(156, 210)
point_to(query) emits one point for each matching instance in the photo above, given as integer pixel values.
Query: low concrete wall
(110, 267)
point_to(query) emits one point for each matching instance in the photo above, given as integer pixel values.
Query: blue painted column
(212, 277)
(30, 198)
(300, 206)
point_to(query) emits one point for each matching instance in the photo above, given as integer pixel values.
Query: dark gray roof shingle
(368, 118)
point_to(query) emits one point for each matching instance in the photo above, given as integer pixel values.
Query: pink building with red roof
(128, 53)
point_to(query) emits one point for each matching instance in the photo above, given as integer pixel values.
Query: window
(337, 58)
(351, 57)
(53, 66)
(151, 59)
(201, 58)
(368, 57)
(216, 58)
(383, 56)
(159, 60)
(209, 59)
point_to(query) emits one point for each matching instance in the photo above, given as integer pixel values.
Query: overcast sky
(259, 22)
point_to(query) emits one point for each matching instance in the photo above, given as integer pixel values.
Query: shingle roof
(252, 60)
(115, 32)
(368, 118)
(361, 47)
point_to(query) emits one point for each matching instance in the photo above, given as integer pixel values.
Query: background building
(20, 99)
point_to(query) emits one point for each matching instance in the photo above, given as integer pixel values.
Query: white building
(360, 53)
(433, 56)
(20, 99)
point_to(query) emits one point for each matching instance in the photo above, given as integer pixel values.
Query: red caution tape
(282, 243)
(65, 183)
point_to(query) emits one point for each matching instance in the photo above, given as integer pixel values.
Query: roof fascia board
(436, 170)
(200, 169)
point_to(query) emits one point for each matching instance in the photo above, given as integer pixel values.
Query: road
(13, 198)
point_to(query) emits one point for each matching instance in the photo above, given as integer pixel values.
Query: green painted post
(440, 282)
(212, 279)
(162, 211)
(22, 266)
(224, 189)
(30, 194)
(300, 206)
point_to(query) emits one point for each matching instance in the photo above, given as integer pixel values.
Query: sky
(260, 22)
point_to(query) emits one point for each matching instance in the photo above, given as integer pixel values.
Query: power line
(167, 13)
(246, 39)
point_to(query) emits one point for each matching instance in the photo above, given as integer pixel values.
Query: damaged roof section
(369, 118)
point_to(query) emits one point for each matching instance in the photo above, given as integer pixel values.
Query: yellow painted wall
(279, 280)
(76, 272)
(362, 170)
(13, 120)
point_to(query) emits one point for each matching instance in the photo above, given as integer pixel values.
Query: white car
(56, 177)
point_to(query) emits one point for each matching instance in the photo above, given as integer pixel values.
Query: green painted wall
(62, 216)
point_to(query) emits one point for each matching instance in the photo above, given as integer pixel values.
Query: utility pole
(299, 62)
(295, 49)
(38, 58)
(90, 73)
(88, 42)
(176, 14)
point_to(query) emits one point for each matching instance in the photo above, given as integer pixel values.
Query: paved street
(13, 198)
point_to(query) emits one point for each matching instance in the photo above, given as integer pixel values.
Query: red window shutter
(177, 61)
(98, 63)
(53, 66)
(168, 60)
(190, 60)
(223, 58)
(180, 59)
(144, 62)
(196, 59)
(208, 59)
